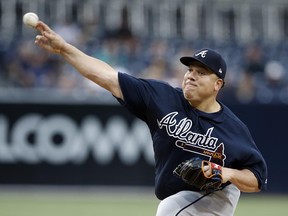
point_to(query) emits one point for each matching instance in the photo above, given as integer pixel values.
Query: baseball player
(204, 155)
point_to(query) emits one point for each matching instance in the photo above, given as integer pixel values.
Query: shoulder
(148, 84)
(125, 76)
(233, 119)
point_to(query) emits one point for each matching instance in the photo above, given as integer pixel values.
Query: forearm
(244, 179)
(94, 69)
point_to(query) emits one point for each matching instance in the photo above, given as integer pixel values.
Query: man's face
(200, 83)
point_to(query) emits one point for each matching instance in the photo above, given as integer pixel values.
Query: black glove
(193, 172)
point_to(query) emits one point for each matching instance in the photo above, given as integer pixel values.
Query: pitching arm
(94, 69)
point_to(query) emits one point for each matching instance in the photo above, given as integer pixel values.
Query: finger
(44, 45)
(43, 27)
(51, 35)
(39, 37)
(42, 39)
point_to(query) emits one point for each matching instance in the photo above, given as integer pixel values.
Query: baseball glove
(193, 172)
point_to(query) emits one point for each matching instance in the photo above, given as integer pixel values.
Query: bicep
(94, 69)
(109, 81)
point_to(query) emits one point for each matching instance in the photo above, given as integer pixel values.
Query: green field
(120, 203)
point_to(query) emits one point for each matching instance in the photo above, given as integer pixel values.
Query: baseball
(30, 19)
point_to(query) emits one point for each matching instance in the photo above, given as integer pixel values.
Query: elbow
(250, 188)
(254, 190)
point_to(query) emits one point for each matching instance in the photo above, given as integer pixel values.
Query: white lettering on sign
(58, 139)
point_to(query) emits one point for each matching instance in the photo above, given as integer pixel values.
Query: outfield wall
(53, 144)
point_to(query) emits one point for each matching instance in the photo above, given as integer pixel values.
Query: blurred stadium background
(67, 147)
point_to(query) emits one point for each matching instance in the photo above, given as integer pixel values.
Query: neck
(208, 107)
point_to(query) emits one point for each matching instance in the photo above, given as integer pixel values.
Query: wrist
(227, 174)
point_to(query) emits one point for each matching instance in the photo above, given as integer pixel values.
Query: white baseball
(30, 19)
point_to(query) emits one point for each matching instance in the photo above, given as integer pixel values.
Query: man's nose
(191, 75)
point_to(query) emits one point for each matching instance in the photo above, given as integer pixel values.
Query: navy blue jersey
(180, 132)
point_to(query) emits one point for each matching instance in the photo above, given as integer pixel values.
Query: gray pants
(189, 203)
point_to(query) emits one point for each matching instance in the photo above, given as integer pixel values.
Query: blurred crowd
(257, 72)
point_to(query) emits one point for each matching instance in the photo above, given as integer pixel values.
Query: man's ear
(219, 84)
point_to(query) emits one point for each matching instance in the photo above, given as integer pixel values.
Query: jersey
(180, 132)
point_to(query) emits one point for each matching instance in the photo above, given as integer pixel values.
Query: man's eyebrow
(200, 66)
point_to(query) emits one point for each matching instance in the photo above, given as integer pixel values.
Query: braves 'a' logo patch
(204, 144)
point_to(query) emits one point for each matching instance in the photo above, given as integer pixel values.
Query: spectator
(253, 72)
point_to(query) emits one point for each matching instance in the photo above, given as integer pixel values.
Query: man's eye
(199, 72)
